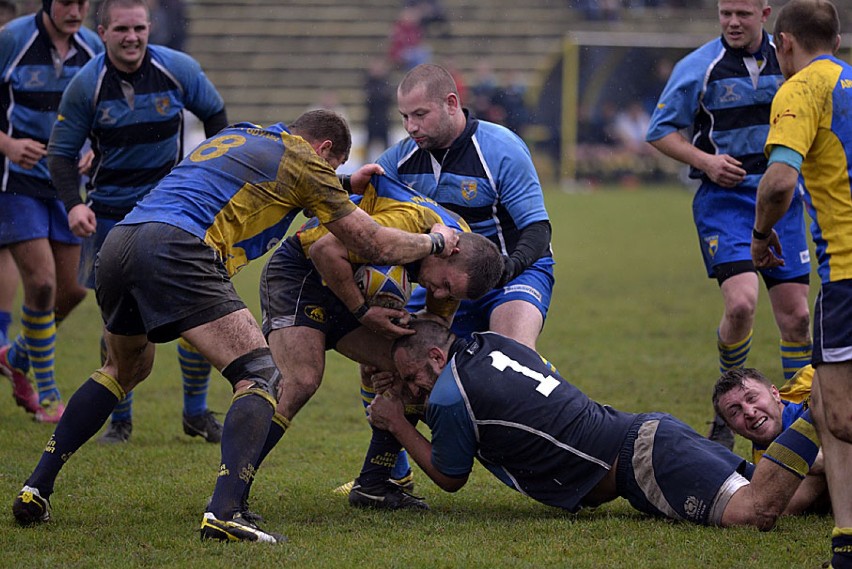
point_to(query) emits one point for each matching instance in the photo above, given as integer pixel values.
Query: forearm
(774, 194)
(331, 260)
(66, 180)
(420, 449)
(675, 146)
(382, 245)
(533, 242)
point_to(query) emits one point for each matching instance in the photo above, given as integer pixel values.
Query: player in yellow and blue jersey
(810, 135)
(130, 103)
(39, 55)
(165, 272)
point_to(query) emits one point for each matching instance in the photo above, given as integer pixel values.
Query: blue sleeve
(76, 113)
(678, 103)
(516, 180)
(200, 96)
(453, 435)
(8, 49)
(787, 156)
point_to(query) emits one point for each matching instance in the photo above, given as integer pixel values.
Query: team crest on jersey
(729, 96)
(468, 189)
(106, 117)
(712, 243)
(315, 313)
(162, 104)
(34, 80)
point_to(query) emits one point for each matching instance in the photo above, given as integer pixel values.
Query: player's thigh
(299, 353)
(833, 392)
(36, 265)
(226, 338)
(519, 320)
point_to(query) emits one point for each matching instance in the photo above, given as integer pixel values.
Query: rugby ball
(384, 285)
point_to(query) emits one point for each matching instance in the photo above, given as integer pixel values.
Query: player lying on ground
(498, 401)
(758, 411)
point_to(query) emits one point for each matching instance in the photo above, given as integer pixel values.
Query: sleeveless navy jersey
(487, 176)
(31, 86)
(724, 95)
(135, 121)
(502, 403)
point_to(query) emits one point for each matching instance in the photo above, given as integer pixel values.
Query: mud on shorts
(667, 469)
(156, 279)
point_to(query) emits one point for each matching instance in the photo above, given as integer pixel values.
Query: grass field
(632, 323)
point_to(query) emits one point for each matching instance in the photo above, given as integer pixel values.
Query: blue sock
(17, 356)
(124, 410)
(195, 372)
(794, 356)
(5, 321)
(86, 412)
(733, 355)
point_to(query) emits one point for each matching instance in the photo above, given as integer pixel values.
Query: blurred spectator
(168, 23)
(407, 46)
(510, 99)
(378, 96)
(433, 16)
(629, 127)
(483, 90)
(8, 11)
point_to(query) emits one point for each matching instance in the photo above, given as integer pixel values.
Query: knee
(41, 293)
(839, 425)
(740, 309)
(67, 299)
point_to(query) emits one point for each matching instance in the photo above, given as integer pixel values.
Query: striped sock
(733, 355)
(5, 321)
(39, 331)
(794, 356)
(17, 356)
(195, 372)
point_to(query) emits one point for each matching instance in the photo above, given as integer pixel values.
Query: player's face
(742, 23)
(417, 378)
(753, 411)
(443, 280)
(126, 37)
(427, 122)
(68, 15)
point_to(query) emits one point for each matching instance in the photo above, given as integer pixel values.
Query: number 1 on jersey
(546, 384)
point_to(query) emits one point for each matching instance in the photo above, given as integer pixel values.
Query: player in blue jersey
(165, 271)
(39, 54)
(129, 102)
(722, 92)
(758, 411)
(483, 172)
(311, 303)
(497, 401)
(810, 136)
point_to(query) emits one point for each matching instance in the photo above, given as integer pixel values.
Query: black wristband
(346, 182)
(760, 236)
(359, 312)
(438, 243)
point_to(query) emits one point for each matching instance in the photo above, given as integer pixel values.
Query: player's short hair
(438, 81)
(814, 23)
(427, 334)
(482, 262)
(323, 124)
(108, 5)
(734, 378)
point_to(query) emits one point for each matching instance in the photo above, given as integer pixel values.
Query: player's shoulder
(172, 59)
(496, 139)
(16, 34)
(90, 39)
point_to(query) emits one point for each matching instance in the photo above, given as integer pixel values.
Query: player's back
(240, 190)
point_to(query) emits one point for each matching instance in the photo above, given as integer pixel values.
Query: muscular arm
(386, 245)
(388, 414)
(215, 123)
(532, 244)
(722, 169)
